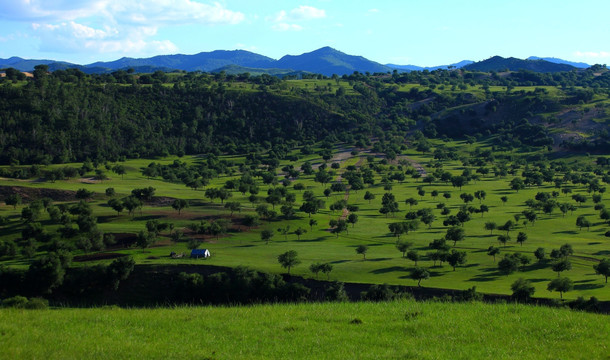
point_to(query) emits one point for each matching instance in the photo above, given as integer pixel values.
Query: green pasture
(394, 330)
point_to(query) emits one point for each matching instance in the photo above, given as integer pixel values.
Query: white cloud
(123, 11)
(373, 11)
(287, 27)
(70, 37)
(129, 25)
(593, 54)
(288, 20)
(306, 13)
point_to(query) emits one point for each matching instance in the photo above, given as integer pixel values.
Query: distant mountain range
(430, 68)
(326, 61)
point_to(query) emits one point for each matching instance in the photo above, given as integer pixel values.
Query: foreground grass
(403, 329)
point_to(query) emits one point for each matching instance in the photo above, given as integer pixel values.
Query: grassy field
(395, 330)
(384, 263)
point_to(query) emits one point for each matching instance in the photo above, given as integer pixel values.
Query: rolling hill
(498, 63)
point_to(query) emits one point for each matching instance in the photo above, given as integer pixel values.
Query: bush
(21, 302)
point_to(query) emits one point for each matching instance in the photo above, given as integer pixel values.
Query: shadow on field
(321, 238)
(379, 259)
(588, 286)
(603, 252)
(483, 278)
(339, 261)
(538, 280)
(148, 217)
(570, 232)
(388, 270)
(245, 246)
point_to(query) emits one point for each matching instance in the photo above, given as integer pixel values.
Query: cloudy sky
(431, 32)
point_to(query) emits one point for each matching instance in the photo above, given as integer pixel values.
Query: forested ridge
(70, 116)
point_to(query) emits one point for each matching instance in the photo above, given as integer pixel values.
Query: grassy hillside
(403, 329)
(384, 263)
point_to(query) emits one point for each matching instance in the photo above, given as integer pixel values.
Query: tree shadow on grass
(245, 246)
(538, 280)
(483, 278)
(321, 238)
(378, 259)
(569, 232)
(339, 261)
(105, 218)
(148, 217)
(388, 270)
(603, 252)
(588, 286)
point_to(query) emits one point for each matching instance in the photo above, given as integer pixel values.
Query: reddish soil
(30, 194)
(97, 256)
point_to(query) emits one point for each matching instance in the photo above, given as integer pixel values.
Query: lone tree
(420, 274)
(315, 268)
(493, 251)
(180, 204)
(522, 289)
(362, 249)
(13, 200)
(562, 265)
(288, 259)
(603, 268)
(455, 234)
(413, 256)
(403, 246)
(456, 258)
(266, 235)
(521, 237)
(560, 285)
(491, 226)
(540, 254)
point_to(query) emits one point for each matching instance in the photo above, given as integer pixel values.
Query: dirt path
(418, 167)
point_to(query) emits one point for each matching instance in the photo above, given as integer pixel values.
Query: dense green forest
(69, 116)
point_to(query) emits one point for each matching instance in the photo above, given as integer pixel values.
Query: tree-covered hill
(67, 115)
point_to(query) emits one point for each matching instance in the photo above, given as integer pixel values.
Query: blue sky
(427, 33)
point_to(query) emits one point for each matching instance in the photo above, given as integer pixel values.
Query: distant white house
(200, 253)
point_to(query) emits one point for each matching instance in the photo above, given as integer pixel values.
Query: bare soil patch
(30, 194)
(97, 256)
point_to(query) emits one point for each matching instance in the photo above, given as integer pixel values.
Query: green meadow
(394, 330)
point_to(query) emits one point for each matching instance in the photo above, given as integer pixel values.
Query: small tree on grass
(508, 265)
(288, 259)
(315, 268)
(145, 239)
(266, 235)
(300, 231)
(180, 204)
(493, 251)
(456, 258)
(562, 265)
(603, 268)
(284, 231)
(491, 226)
(362, 249)
(455, 234)
(233, 206)
(522, 289)
(413, 256)
(13, 200)
(403, 246)
(352, 219)
(312, 223)
(420, 274)
(540, 254)
(521, 237)
(326, 268)
(560, 285)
